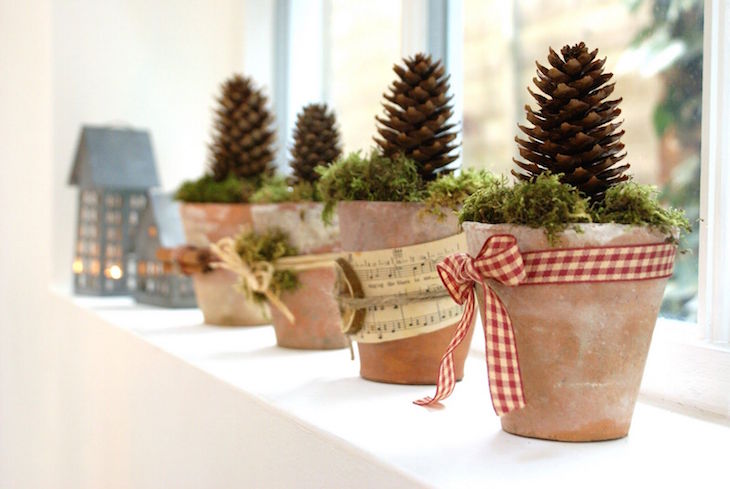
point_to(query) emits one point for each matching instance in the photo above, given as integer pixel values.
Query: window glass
(364, 41)
(654, 50)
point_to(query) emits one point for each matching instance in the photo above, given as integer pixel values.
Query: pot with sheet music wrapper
(368, 226)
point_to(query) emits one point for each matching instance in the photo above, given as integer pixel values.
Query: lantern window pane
(137, 201)
(89, 197)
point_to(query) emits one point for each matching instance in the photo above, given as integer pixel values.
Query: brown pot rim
(297, 203)
(383, 203)
(215, 204)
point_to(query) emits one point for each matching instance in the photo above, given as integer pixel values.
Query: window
(364, 42)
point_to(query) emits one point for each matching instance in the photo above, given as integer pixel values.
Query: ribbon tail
(446, 380)
(505, 378)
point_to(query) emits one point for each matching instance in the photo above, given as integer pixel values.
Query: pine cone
(575, 130)
(416, 122)
(316, 142)
(243, 138)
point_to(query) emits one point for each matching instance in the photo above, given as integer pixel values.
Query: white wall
(152, 64)
(28, 396)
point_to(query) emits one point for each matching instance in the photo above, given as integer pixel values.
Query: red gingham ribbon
(500, 259)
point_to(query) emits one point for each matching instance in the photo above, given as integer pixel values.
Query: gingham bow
(500, 260)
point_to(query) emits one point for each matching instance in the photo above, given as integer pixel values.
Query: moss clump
(373, 178)
(273, 190)
(450, 191)
(277, 189)
(545, 202)
(541, 203)
(635, 204)
(268, 247)
(207, 189)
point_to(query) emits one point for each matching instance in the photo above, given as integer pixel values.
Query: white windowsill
(687, 373)
(460, 445)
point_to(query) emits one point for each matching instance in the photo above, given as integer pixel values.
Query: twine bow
(256, 276)
(500, 260)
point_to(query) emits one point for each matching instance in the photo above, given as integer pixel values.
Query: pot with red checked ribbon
(567, 328)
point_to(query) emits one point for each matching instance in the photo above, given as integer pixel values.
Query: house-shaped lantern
(113, 169)
(161, 283)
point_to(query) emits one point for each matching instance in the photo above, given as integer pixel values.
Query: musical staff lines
(405, 270)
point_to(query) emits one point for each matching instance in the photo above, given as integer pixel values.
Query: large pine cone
(575, 129)
(416, 123)
(316, 142)
(243, 137)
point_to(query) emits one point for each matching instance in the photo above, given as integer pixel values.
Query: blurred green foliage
(676, 28)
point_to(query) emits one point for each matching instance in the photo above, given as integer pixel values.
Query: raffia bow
(257, 276)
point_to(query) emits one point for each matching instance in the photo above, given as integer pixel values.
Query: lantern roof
(115, 158)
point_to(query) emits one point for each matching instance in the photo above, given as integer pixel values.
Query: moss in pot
(582, 338)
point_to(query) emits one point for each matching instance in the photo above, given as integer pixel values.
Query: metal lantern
(161, 283)
(113, 169)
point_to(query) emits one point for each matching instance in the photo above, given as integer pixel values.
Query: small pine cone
(243, 137)
(416, 117)
(575, 131)
(316, 142)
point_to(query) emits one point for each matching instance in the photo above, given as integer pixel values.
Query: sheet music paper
(404, 270)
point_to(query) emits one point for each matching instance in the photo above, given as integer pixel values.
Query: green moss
(207, 189)
(450, 191)
(268, 246)
(542, 203)
(373, 178)
(273, 190)
(555, 206)
(636, 204)
(277, 189)
(305, 191)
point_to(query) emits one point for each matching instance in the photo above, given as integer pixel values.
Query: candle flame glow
(114, 272)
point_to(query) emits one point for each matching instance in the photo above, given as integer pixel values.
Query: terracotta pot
(366, 226)
(317, 325)
(220, 303)
(582, 347)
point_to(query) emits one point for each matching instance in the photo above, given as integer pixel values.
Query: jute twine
(353, 303)
(257, 276)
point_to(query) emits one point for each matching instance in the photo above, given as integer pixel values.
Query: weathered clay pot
(582, 347)
(366, 226)
(220, 303)
(317, 325)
